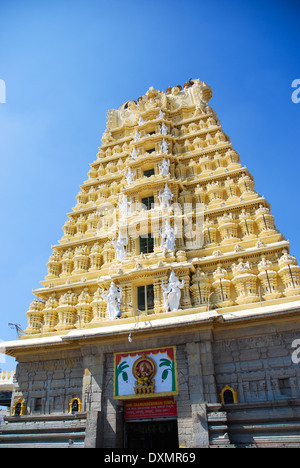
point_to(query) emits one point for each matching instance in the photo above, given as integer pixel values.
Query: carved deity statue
(113, 298)
(119, 246)
(134, 153)
(168, 237)
(164, 167)
(165, 197)
(164, 146)
(130, 175)
(124, 207)
(163, 129)
(136, 136)
(172, 293)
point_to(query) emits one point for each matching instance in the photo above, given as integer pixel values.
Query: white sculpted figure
(134, 153)
(113, 298)
(161, 115)
(119, 246)
(164, 146)
(165, 197)
(168, 237)
(141, 121)
(172, 292)
(164, 167)
(124, 207)
(163, 129)
(130, 175)
(136, 136)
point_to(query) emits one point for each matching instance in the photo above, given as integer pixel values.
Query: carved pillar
(232, 159)
(221, 286)
(67, 263)
(205, 164)
(108, 253)
(69, 227)
(185, 300)
(83, 308)
(66, 311)
(82, 197)
(231, 189)
(98, 307)
(290, 274)
(228, 228)
(35, 317)
(214, 191)
(92, 222)
(268, 279)
(197, 399)
(247, 225)
(200, 289)
(210, 232)
(81, 259)
(126, 310)
(264, 221)
(81, 225)
(245, 283)
(156, 243)
(53, 265)
(95, 257)
(158, 299)
(246, 185)
(50, 314)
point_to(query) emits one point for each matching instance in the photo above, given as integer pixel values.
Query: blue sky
(65, 63)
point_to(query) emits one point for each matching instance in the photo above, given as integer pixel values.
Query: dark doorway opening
(151, 434)
(228, 397)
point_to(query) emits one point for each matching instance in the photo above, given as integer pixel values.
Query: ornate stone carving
(172, 293)
(113, 298)
(164, 166)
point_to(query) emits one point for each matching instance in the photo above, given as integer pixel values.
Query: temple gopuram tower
(171, 290)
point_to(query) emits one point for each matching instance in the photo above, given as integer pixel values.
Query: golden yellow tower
(167, 223)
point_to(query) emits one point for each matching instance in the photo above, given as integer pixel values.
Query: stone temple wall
(254, 361)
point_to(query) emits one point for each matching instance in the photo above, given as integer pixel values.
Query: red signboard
(143, 409)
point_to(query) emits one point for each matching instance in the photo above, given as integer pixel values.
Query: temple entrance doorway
(151, 424)
(156, 434)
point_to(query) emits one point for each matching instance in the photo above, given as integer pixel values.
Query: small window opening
(228, 395)
(149, 173)
(75, 406)
(146, 244)
(148, 202)
(145, 297)
(17, 411)
(285, 387)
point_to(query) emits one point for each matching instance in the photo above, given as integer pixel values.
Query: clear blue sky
(66, 62)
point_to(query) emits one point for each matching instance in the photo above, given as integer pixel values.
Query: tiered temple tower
(167, 192)
(169, 316)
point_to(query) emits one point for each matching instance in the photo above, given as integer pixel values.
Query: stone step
(30, 445)
(43, 431)
(47, 439)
